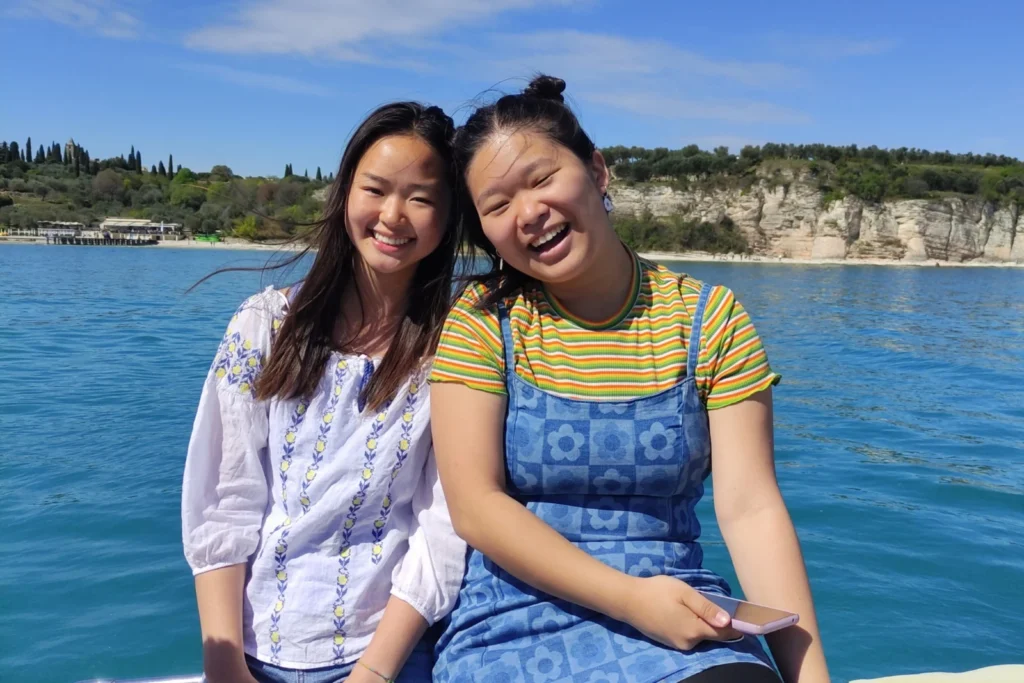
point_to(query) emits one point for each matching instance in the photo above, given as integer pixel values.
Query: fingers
(697, 631)
(708, 612)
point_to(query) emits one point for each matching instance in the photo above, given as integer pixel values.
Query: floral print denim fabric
(620, 480)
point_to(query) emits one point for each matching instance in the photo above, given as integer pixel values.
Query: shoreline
(235, 244)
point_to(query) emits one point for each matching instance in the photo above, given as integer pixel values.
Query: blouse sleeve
(224, 493)
(429, 576)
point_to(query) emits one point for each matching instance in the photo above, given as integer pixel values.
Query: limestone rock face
(792, 219)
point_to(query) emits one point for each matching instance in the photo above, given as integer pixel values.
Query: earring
(608, 206)
(501, 264)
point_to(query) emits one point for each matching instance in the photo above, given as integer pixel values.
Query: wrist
(619, 598)
(373, 673)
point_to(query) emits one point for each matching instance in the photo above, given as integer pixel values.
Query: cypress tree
(319, 175)
(161, 170)
(138, 161)
(28, 145)
(40, 155)
(170, 165)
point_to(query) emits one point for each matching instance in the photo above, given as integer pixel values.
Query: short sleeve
(469, 351)
(224, 492)
(733, 363)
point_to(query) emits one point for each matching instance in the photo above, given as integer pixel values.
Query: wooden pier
(118, 241)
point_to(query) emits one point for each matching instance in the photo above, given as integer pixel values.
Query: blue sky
(257, 84)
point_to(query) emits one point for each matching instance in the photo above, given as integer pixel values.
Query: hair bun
(546, 88)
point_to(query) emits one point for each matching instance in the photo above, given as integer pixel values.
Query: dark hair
(305, 341)
(539, 107)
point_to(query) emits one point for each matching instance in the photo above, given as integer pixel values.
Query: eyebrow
(385, 181)
(527, 170)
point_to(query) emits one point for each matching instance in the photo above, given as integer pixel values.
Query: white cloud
(258, 80)
(734, 111)
(582, 57)
(830, 48)
(346, 30)
(104, 17)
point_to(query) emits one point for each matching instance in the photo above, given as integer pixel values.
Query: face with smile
(540, 205)
(397, 205)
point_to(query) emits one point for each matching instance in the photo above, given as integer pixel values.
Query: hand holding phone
(751, 618)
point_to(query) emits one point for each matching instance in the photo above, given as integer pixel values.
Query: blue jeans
(416, 670)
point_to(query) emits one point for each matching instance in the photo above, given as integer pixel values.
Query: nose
(530, 211)
(391, 211)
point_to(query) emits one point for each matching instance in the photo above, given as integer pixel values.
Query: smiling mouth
(391, 241)
(550, 238)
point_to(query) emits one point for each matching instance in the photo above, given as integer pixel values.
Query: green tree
(161, 170)
(107, 184)
(221, 173)
(319, 175)
(152, 170)
(187, 196)
(28, 144)
(246, 228)
(40, 156)
(184, 176)
(138, 161)
(170, 165)
(13, 153)
(78, 167)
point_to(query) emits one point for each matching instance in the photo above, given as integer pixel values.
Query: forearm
(533, 552)
(400, 628)
(766, 554)
(219, 596)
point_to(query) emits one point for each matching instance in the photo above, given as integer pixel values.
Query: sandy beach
(236, 244)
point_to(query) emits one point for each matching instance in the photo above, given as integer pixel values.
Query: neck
(372, 309)
(601, 290)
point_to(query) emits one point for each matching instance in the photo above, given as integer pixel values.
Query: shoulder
(261, 312)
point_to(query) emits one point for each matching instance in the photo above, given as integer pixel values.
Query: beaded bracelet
(375, 672)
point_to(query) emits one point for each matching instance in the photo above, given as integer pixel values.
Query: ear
(599, 170)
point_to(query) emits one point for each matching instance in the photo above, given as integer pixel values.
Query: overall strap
(693, 345)
(506, 339)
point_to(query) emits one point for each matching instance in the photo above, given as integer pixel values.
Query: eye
(376, 192)
(496, 209)
(544, 180)
(423, 200)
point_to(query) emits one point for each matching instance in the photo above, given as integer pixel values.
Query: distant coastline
(237, 244)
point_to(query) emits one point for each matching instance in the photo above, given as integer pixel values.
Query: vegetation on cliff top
(870, 173)
(65, 184)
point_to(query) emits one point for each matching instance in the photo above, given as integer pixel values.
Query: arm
(219, 595)
(224, 494)
(424, 584)
(470, 458)
(759, 533)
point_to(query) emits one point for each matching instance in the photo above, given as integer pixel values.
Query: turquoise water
(900, 452)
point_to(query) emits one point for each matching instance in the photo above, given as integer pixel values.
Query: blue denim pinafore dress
(620, 480)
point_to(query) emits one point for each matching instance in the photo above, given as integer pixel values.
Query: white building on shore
(134, 226)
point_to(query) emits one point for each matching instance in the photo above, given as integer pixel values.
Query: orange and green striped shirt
(639, 351)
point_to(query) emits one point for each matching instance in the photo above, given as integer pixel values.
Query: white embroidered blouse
(332, 508)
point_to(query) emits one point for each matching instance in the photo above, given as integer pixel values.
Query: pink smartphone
(755, 620)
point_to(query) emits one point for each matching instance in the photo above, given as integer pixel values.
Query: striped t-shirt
(638, 352)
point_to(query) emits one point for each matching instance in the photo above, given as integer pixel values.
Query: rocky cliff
(789, 216)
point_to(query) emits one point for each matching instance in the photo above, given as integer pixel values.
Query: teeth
(550, 235)
(391, 241)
